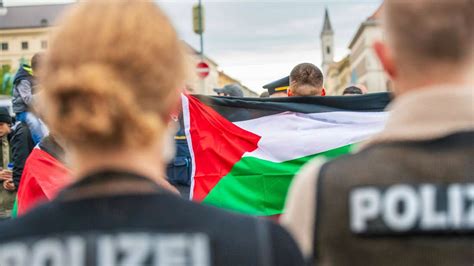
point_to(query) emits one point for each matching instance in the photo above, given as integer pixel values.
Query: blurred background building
(25, 30)
(361, 65)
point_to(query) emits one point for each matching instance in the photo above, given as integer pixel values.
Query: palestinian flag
(43, 177)
(246, 151)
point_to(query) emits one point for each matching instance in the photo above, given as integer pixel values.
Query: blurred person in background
(178, 170)
(230, 90)
(306, 79)
(352, 90)
(111, 108)
(17, 144)
(406, 198)
(25, 87)
(7, 195)
(22, 144)
(278, 88)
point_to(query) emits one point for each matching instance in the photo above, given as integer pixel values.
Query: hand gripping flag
(246, 151)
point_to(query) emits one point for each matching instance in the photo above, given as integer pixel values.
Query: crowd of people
(405, 198)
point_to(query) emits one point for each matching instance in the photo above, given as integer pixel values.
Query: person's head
(279, 94)
(278, 88)
(230, 90)
(5, 122)
(116, 97)
(306, 79)
(352, 90)
(264, 94)
(36, 61)
(427, 43)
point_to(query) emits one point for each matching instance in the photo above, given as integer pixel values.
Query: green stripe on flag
(259, 187)
(14, 213)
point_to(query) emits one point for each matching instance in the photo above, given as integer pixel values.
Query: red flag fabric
(219, 147)
(43, 177)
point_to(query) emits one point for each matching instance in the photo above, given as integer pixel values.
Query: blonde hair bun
(121, 85)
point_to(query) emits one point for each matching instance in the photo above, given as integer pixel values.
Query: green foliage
(6, 80)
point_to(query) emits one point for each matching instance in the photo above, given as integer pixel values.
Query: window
(44, 44)
(328, 49)
(24, 45)
(4, 46)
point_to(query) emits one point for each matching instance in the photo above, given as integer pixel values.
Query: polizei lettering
(106, 250)
(402, 208)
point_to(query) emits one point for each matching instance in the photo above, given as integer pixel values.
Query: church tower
(327, 42)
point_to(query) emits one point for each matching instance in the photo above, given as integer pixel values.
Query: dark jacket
(143, 229)
(178, 171)
(49, 145)
(21, 144)
(22, 74)
(23, 86)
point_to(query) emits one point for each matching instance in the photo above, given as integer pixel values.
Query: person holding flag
(306, 79)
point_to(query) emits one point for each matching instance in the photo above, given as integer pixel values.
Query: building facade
(365, 66)
(327, 42)
(338, 77)
(361, 65)
(25, 30)
(225, 79)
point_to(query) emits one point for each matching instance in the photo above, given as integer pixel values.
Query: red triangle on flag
(217, 144)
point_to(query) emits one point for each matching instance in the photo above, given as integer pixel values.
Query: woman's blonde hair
(112, 74)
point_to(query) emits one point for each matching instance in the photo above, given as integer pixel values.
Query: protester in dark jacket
(21, 144)
(7, 195)
(16, 145)
(24, 88)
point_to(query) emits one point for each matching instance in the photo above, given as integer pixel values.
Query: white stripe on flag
(187, 127)
(290, 135)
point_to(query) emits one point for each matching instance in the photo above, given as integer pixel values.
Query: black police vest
(154, 228)
(399, 203)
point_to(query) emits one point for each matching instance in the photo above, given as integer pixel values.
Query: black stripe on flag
(240, 109)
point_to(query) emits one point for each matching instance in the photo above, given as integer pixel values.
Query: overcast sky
(259, 41)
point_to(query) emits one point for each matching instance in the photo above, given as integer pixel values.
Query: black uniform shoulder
(234, 237)
(392, 158)
(286, 252)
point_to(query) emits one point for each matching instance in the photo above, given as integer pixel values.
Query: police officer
(278, 88)
(407, 197)
(110, 107)
(178, 171)
(230, 90)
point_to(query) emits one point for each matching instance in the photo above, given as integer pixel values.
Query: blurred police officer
(406, 198)
(230, 90)
(111, 109)
(278, 88)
